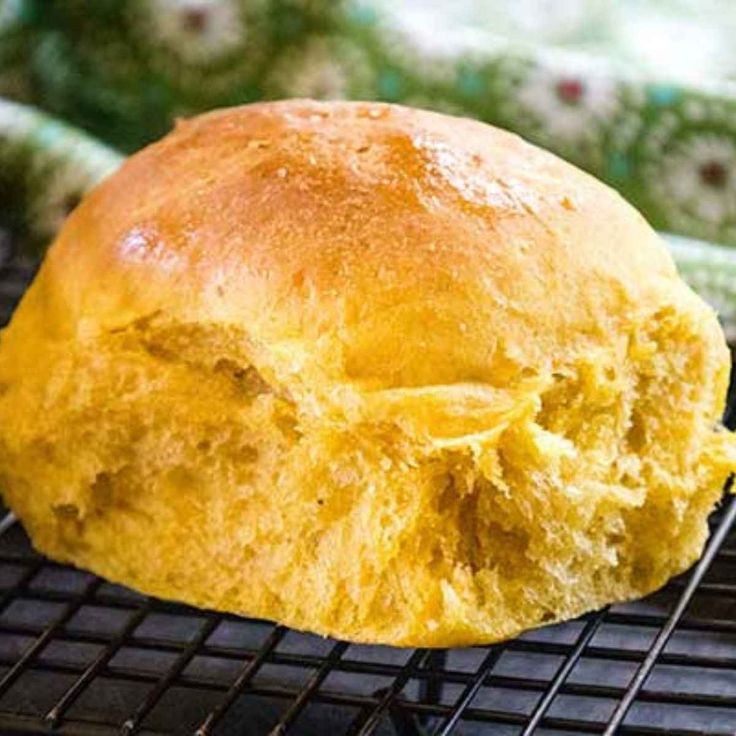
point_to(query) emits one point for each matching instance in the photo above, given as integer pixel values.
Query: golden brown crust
(375, 228)
(370, 371)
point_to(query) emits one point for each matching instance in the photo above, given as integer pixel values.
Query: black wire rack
(81, 656)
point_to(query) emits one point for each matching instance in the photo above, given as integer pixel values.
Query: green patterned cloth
(711, 271)
(124, 69)
(45, 167)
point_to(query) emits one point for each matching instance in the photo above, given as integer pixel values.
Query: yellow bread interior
(429, 387)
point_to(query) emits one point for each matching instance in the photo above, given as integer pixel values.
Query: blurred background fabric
(641, 93)
(682, 40)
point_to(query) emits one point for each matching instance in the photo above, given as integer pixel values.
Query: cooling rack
(81, 656)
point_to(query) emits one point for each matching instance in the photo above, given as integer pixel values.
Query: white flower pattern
(688, 168)
(197, 31)
(325, 69)
(696, 180)
(569, 104)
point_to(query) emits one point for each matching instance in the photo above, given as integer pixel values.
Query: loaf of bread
(368, 371)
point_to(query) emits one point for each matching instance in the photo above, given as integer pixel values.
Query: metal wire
(242, 681)
(133, 723)
(564, 671)
(366, 726)
(471, 690)
(391, 701)
(310, 688)
(6, 522)
(46, 636)
(54, 716)
(668, 629)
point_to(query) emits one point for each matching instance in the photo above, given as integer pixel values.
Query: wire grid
(87, 657)
(81, 656)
